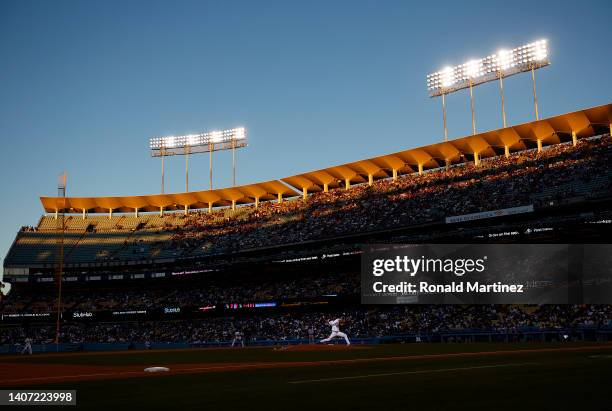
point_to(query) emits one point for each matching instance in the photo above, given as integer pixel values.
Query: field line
(387, 374)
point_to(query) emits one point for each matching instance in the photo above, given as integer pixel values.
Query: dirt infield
(12, 374)
(19, 374)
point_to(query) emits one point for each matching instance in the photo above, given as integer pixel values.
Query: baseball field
(402, 376)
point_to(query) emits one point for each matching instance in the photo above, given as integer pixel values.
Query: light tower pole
(444, 116)
(186, 168)
(472, 107)
(210, 150)
(163, 154)
(535, 96)
(233, 162)
(503, 104)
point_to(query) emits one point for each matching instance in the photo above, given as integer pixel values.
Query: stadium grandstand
(306, 205)
(274, 259)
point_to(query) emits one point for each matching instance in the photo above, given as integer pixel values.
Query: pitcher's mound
(322, 347)
(157, 369)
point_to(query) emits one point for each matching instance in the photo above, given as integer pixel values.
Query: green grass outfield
(411, 376)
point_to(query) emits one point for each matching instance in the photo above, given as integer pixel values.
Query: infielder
(238, 337)
(311, 338)
(336, 332)
(27, 346)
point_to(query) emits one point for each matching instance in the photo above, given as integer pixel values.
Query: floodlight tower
(199, 143)
(521, 59)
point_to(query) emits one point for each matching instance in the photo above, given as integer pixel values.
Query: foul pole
(61, 228)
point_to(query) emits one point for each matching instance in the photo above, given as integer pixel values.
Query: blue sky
(84, 85)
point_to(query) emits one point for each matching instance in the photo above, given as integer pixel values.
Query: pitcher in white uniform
(336, 332)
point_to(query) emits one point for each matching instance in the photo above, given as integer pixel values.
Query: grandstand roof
(246, 194)
(553, 130)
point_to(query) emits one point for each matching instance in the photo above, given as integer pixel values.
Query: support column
(161, 211)
(447, 163)
(162, 174)
(83, 214)
(472, 106)
(186, 209)
(187, 168)
(444, 116)
(256, 202)
(420, 169)
(507, 151)
(210, 149)
(233, 162)
(539, 146)
(280, 198)
(56, 211)
(304, 193)
(110, 213)
(233, 204)
(210, 207)
(574, 139)
(370, 179)
(136, 212)
(535, 96)
(476, 159)
(325, 187)
(394, 175)
(347, 183)
(503, 104)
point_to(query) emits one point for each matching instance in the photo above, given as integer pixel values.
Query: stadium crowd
(547, 178)
(216, 290)
(559, 174)
(356, 322)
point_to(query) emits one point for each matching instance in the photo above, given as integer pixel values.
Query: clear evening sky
(84, 85)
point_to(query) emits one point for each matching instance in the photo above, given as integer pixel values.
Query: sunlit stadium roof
(553, 130)
(269, 190)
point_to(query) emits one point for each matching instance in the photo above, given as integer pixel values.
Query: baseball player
(311, 338)
(238, 337)
(336, 332)
(27, 346)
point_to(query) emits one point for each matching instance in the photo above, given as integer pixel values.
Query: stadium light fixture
(504, 63)
(217, 140)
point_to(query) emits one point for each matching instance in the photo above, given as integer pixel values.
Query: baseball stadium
(225, 297)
